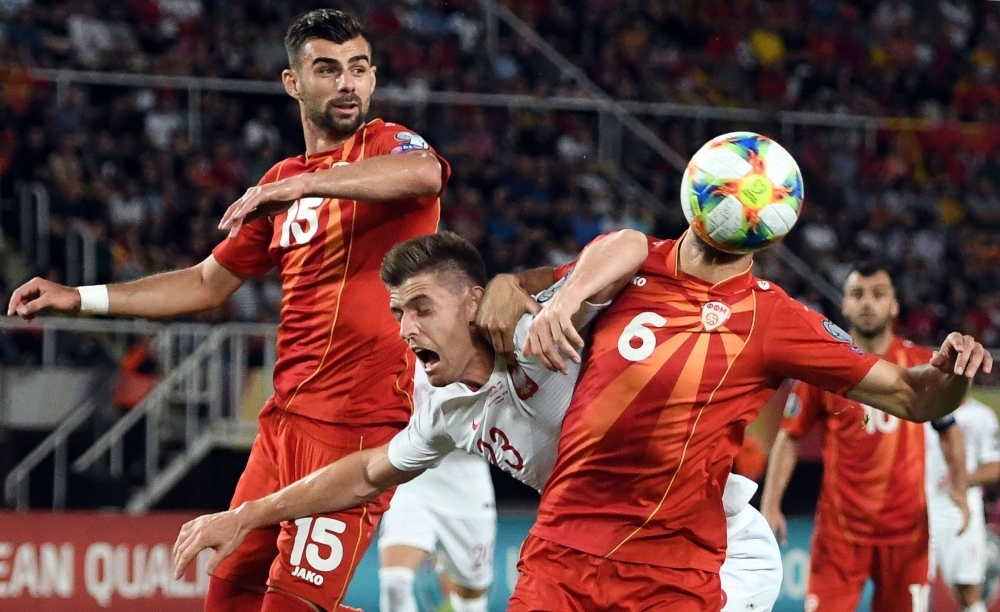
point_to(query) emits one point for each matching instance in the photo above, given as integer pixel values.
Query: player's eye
(359, 71)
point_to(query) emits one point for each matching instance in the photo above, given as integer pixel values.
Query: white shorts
(751, 574)
(961, 558)
(464, 545)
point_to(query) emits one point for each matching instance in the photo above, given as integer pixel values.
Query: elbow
(428, 175)
(910, 407)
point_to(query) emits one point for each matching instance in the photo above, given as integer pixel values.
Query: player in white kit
(471, 399)
(961, 557)
(449, 510)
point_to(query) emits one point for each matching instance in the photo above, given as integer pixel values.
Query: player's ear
(472, 300)
(291, 82)
(894, 311)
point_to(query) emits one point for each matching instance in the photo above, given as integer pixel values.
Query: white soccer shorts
(961, 558)
(751, 574)
(464, 546)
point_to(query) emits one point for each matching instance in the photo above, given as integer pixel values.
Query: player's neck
(480, 368)
(710, 266)
(875, 345)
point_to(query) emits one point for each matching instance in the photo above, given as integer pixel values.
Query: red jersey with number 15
(873, 462)
(677, 368)
(340, 357)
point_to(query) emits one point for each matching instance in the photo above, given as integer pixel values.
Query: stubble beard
(325, 119)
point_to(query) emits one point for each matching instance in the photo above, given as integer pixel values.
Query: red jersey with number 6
(873, 463)
(340, 357)
(677, 368)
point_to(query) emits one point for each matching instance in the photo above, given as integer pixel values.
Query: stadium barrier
(95, 562)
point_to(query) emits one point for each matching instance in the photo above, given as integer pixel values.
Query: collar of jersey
(734, 284)
(309, 160)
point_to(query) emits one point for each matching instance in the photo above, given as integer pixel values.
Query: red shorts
(555, 578)
(838, 570)
(313, 557)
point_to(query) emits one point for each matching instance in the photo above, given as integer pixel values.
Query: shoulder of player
(921, 353)
(290, 166)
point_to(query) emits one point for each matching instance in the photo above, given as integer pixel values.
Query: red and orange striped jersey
(873, 476)
(340, 357)
(677, 368)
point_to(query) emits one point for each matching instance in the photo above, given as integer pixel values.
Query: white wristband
(94, 299)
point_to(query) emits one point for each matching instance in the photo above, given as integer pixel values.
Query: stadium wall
(95, 562)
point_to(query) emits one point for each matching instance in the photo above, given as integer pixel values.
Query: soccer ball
(741, 192)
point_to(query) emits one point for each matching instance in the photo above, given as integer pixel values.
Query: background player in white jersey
(961, 557)
(509, 411)
(449, 510)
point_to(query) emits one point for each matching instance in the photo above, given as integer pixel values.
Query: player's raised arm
(926, 392)
(604, 268)
(346, 483)
(200, 287)
(376, 179)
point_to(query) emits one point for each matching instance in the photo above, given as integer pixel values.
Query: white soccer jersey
(459, 487)
(982, 445)
(513, 420)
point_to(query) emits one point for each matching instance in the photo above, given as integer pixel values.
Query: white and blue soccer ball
(741, 192)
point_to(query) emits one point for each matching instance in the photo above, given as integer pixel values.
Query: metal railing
(81, 255)
(173, 344)
(209, 400)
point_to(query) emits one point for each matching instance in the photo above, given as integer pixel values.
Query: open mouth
(347, 107)
(427, 357)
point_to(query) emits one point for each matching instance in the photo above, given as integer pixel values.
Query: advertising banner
(97, 562)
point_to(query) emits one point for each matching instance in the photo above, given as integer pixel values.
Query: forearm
(985, 475)
(535, 280)
(346, 483)
(606, 266)
(953, 449)
(784, 457)
(175, 293)
(934, 393)
(378, 179)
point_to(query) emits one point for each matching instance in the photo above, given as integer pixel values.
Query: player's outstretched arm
(953, 449)
(781, 464)
(377, 179)
(201, 287)
(346, 483)
(604, 268)
(926, 392)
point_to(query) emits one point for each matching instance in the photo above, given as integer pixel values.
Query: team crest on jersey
(523, 385)
(409, 142)
(714, 314)
(764, 285)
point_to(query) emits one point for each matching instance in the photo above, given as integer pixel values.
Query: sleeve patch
(408, 141)
(837, 332)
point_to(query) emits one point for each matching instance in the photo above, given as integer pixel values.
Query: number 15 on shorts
(312, 536)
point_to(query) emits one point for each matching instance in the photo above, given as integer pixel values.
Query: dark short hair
(868, 269)
(441, 252)
(326, 24)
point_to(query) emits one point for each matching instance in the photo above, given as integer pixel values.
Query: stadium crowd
(924, 198)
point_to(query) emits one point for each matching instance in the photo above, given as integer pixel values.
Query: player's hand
(221, 531)
(38, 293)
(959, 497)
(962, 356)
(552, 334)
(776, 521)
(502, 306)
(262, 201)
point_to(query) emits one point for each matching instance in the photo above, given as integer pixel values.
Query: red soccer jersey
(675, 371)
(340, 357)
(873, 476)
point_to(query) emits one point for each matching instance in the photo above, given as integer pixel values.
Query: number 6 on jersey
(639, 329)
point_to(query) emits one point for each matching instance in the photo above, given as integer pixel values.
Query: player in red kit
(344, 376)
(632, 517)
(871, 520)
